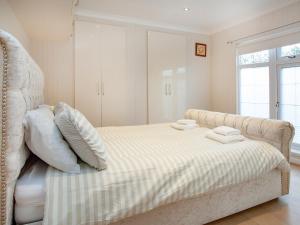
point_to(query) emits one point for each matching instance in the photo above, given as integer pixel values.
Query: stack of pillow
(225, 135)
(184, 124)
(59, 137)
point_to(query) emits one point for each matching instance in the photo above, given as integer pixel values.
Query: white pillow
(81, 135)
(44, 139)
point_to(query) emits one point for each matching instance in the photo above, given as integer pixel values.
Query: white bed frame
(22, 90)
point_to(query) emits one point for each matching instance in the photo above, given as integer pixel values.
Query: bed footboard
(277, 133)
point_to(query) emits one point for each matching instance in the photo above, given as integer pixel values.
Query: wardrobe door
(117, 92)
(88, 71)
(166, 77)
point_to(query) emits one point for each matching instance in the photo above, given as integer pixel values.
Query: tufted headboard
(276, 132)
(22, 85)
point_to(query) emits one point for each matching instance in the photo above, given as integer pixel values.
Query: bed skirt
(213, 206)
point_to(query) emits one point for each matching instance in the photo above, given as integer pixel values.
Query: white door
(117, 94)
(88, 71)
(103, 87)
(166, 76)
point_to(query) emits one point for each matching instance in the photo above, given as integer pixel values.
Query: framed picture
(200, 49)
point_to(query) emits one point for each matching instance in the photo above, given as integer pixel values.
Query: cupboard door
(117, 92)
(166, 77)
(87, 71)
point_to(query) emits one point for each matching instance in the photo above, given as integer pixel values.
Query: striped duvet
(150, 166)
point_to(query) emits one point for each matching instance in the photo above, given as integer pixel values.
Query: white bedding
(150, 166)
(30, 194)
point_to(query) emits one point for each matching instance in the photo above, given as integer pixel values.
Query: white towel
(183, 127)
(224, 130)
(186, 121)
(224, 139)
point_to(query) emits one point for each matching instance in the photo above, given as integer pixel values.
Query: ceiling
(52, 19)
(205, 16)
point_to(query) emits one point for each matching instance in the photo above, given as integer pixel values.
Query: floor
(282, 211)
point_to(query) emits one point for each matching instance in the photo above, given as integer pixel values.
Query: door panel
(87, 71)
(289, 98)
(166, 77)
(117, 91)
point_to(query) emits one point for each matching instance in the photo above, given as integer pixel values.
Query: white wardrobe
(126, 75)
(167, 70)
(103, 87)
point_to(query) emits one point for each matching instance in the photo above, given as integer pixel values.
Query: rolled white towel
(183, 127)
(224, 130)
(186, 121)
(224, 139)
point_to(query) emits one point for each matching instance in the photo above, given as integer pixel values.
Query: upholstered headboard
(276, 132)
(22, 85)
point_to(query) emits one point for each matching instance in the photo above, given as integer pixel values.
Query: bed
(22, 90)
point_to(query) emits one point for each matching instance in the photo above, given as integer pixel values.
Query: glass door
(288, 67)
(289, 98)
(254, 82)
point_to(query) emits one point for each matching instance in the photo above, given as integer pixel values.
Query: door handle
(166, 89)
(170, 89)
(102, 88)
(98, 88)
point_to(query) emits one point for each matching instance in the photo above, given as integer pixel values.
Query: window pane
(256, 57)
(290, 50)
(254, 92)
(290, 98)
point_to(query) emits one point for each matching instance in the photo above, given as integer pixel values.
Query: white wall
(56, 60)
(223, 85)
(199, 68)
(10, 23)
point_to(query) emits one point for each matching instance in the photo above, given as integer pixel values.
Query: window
(289, 87)
(269, 85)
(290, 50)
(254, 95)
(254, 84)
(256, 57)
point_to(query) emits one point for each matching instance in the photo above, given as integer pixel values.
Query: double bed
(156, 175)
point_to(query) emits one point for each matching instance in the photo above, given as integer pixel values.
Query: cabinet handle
(98, 88)
(102, 87)
(166, 89)
(170, 89)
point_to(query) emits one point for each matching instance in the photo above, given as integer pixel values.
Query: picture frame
(200, 49)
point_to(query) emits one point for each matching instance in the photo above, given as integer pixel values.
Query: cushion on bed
(45, 140)
(81, 135)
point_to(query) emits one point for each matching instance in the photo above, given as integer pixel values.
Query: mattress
(30, 193)
(152, 166)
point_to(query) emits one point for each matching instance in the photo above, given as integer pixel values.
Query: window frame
(285, 59)
(275, 64)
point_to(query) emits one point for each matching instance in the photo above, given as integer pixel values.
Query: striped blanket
(150, 166)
